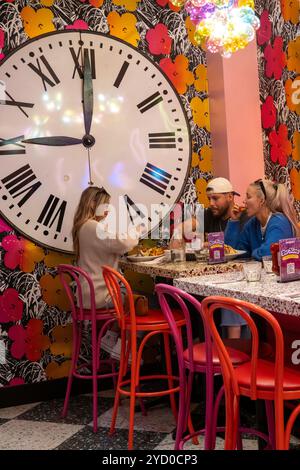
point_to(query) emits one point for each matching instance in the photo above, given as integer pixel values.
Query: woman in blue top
(272, 218)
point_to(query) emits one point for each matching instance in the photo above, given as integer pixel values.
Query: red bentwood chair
(198, 357)
(80, 316)
(151, 324)
(257, 378)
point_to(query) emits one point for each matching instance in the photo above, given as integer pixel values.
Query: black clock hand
(88, 101)
(56, 141)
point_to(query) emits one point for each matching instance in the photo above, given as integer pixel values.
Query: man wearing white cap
(220, 194)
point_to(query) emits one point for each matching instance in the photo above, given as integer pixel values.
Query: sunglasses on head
(262, 187)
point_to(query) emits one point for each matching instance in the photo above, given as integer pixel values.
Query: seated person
(272, 217)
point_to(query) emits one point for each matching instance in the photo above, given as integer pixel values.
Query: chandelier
(223, 26)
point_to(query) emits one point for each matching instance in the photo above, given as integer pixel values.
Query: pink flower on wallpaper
(15, 381)
(78, 24)
(164, 3)
(268, 113)
(275, 59)
(30, 341)
(159, 40)
(4, 227)
(264, 32)
(281, 147)
(2, 39)
(14, 251)
(11, 307)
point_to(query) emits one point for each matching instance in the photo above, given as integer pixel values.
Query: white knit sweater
(96, 251)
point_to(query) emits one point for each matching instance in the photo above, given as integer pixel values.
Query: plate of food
(232, 253)
(141, 254)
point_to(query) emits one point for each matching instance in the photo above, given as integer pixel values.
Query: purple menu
(289, 259)
(216, 247)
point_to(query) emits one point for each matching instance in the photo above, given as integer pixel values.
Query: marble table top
(267, 293)
(183, 269)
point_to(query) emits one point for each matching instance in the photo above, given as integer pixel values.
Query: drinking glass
(252, 271)
(267, 264)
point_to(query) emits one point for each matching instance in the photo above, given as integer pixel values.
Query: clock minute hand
(56, 141)
(88, 99)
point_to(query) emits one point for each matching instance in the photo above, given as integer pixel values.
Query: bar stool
(152, 324)
(257, 378)
(80, 316)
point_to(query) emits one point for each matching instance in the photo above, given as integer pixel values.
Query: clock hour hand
(55, 141)
(88, 101)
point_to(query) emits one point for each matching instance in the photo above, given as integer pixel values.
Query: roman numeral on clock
(78, 57)
(162, 140)
(19, 150)
(148, 103)
(155, 178)
(121, 74)
(54, 210)
(48, 76)
(21, 182)
(131, 206)
(19, 104)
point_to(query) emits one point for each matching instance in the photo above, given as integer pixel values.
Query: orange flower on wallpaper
(296, 146)
(191, 28)
(203, 159)
(53, 292)
(200, 185)
(57, 371)
(129, 5)
(206, 159)
(123, 27)
(53, 259)
(290, 10)
(200, 110)
(32, 255)
(178, 72)
(295, 183)
(61, 340)
(292, 93)
(37, 22)
(293, 55)
(201, 83)
(47, 3)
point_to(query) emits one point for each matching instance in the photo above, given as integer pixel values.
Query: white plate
(139, 259)
(235, 255)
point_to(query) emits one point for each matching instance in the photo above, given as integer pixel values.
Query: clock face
(138, 148)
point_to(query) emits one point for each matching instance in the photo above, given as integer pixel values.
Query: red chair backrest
(182, 299)
(77, 274)
(114, 280)
(240, 307)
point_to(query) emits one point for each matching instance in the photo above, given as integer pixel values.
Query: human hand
(236, 212)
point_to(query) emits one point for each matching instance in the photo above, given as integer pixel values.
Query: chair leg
(122, 372)
(271, 422)
(215, 416)
(75, 353)
(94, 377)
(279, 424)
(209, 408)
(289, 426)
(169, 372)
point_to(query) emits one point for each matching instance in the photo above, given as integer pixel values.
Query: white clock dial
(139, 141)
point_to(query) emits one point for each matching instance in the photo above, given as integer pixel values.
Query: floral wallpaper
(34, 323)
(278, 42)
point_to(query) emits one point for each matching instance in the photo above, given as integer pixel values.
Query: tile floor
(39, 426)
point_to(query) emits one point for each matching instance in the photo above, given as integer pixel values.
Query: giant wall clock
(80, 108)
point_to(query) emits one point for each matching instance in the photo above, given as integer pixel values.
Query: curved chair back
(165, 293)
(77, 275)
(240, 307)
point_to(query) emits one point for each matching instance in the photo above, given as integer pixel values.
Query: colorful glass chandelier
(224, 26)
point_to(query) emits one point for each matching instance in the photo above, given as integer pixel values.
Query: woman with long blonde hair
(93, 249)
(272, 218)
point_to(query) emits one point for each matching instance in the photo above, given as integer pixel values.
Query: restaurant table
(169, 270)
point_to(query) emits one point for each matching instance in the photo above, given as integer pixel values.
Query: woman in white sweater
(94, 246)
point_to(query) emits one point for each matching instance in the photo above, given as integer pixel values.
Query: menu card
(216, 247)
(289, 259)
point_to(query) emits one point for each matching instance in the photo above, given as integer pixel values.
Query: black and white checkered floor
(38, 426)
